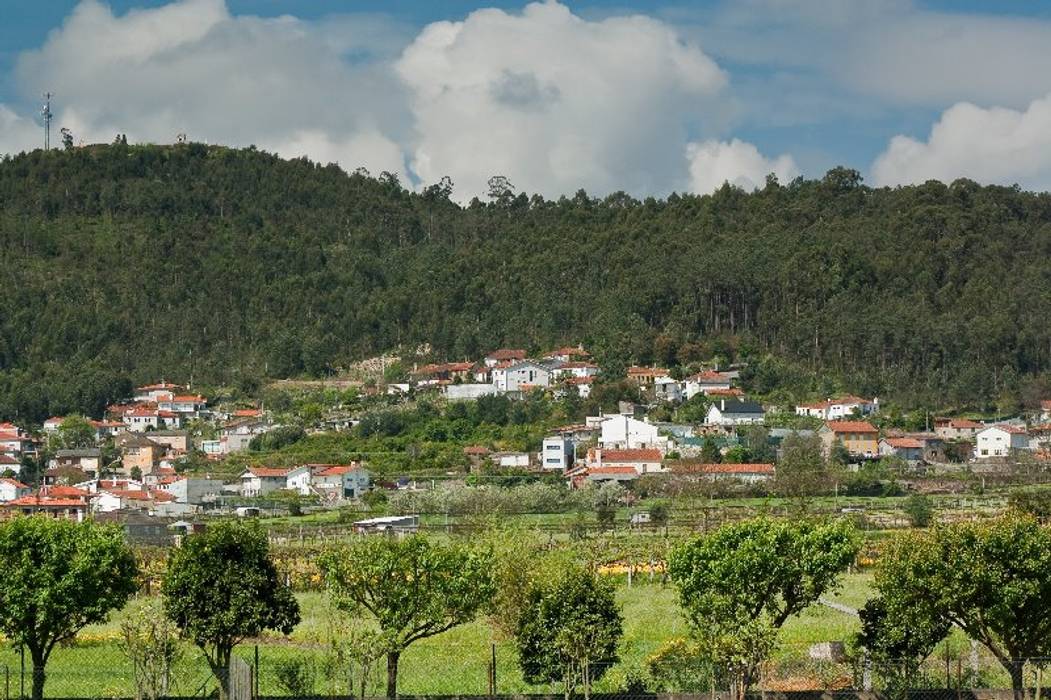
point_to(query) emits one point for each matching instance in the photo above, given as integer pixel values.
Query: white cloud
(994, 145)
(555, 102)
(17, 133)
(192, 67)
(713, 163)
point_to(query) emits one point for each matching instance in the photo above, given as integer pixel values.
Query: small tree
(74, 432)
(56, 577)
(151, 643)
(221, 587)
(991, 579)
(414, 588)
(898, 640)
(919, 509)
(739, 585)
(569, 629)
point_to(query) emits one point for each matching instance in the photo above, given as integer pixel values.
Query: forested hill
(125, 264)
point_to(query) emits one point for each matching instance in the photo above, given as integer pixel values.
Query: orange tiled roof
(851, 426)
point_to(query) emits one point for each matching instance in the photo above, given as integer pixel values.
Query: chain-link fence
(280, 669)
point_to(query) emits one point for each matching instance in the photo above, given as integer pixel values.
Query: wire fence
(281, 669)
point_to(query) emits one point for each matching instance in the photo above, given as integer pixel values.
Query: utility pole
(46, 112)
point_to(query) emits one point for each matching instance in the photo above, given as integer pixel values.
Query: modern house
(624, 432)
(557, 453)
(839, 408)
(1000, 441)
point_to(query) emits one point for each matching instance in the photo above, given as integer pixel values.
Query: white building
(838, 408)
(340, 482)
(468, 392)
(705, 382)
(1000, 440)
(11, 489)
(259, 481)
(627, 433)
(521, 375)
(557, 453)
(576, 369)
(511, 460)
(298, 479)
(733, 412)
(9, 464)
(193, 490)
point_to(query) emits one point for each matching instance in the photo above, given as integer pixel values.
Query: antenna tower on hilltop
(46, 112)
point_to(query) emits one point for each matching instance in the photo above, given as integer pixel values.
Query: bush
(1036, 501)
(295, 675)
(919, 509)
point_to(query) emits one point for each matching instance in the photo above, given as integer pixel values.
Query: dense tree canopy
(131, 263)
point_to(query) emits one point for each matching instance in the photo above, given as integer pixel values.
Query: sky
(643, 96)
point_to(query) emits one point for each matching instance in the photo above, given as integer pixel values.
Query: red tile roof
(38, 501)
(636, 371)
(629, 455)
(337, 470)
(1012, 429)
(612, 470)
(7, 459)
(248, 412)
(63, 492)
(851, 426)
(709, 376)
(271, 472)
(476, 450)
(12, 482)
(904, 443)
(506, 354)
(569, 352)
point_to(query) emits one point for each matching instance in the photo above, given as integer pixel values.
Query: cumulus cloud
(990, 145)
(554, 101)
(713, 163)
(325, 90)
(17, 133)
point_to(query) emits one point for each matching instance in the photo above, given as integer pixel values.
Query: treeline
(126, 264)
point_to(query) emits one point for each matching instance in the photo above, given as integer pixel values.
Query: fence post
(22, 672)
(7, 683)
(494, 670)
(255, 674)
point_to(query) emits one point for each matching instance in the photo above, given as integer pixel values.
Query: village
(160, 451)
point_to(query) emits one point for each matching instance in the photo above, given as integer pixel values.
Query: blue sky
(640, 95)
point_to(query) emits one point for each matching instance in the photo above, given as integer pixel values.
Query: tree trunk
(39, 662)
(392, 674)
(221, 670)
(1017, 668)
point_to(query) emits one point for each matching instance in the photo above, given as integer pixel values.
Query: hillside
(127, 264)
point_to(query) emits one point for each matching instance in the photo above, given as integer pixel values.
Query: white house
(341, 481)
(10, 489)
(705, 382)
(627, 433)
(734, 412)
(195, 491)
(667, 389)
(259, 481)
(497, 357)
(1000, 440)
(298, 479)
(151, 392)
(9, 464)
(14, 440)
(644, 461)
(557, 453)
(1045, 411)
(521, 375)
(511, 460)
(576, 369)
(747, 473)
(838, 408)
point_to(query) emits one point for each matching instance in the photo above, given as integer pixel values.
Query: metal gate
(240, 679)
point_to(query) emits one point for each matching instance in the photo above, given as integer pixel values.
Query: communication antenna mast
(46, 112)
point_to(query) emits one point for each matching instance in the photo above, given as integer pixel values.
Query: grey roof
(740, 407)
(81, 452)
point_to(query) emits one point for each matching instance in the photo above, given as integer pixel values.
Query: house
(236, 435)
(728, 412)
(339, 482)
(747, 473)
(581, 384)
(138, 452)
(642, 460)
(838, 408)
(667, 389)
(511, 460)
(52, 424)
(907, 448)
(172, 440)
(11, 489)
(557, 452)
(129, 499)
(859, 438)
(298, 479)
(568, 354)
(61, 507)
(259, 481)
(520, 375)
(933, 446)
(193, 490)
(86, 459)
(9, 464)
(503, 355)
(1000, 441)
(957, 428)
(575, 369)
(618, 474)
(145, 417)
(188, 405)
(628, 433)
(107, 428)
(646, 376)
(15, 440)
(151, 392)
(706, 382)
